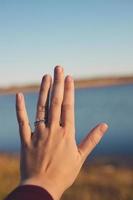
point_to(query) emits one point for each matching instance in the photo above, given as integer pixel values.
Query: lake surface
(113, 105)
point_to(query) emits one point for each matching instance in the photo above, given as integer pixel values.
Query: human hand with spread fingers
(50, 157)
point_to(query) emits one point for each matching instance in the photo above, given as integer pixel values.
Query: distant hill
(101, 82)
(79, 83)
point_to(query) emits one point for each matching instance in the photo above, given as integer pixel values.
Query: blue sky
(89, 38)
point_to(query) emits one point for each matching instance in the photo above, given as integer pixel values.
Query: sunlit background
(89, 39)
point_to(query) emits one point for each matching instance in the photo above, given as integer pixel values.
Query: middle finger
(57, 96)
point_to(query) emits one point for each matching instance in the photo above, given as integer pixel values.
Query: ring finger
(43, 102)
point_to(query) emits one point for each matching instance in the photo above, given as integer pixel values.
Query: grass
(100, 181)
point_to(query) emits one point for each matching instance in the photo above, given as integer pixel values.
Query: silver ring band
(39, 121)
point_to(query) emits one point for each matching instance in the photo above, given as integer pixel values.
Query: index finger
(22, 117)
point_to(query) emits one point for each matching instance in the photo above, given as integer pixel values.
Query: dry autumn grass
(98, 182)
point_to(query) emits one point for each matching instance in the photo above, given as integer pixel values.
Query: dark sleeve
(29, 192)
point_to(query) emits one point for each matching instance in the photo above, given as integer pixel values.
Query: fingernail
(20, 96)
(69, 78)
(58, 69)
(103, 127)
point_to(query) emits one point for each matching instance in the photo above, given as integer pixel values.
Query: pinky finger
(23, 121)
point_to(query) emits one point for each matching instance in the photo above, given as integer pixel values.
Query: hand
(50, 157)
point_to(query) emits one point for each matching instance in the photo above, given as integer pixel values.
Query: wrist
(51, 187)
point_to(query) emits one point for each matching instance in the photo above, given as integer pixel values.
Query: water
(113, 105)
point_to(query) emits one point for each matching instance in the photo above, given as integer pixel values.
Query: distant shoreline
(79, 83)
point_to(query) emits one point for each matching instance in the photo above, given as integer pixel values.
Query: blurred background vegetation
(100, 180)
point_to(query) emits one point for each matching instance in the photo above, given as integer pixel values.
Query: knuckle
(25, 145)
(41, 108)
(93, 140)
(18, 109)
(66, 107)
(23, 123)
(55, 101)
(58, 79)
(43, 89)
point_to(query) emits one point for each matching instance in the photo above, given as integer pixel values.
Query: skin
(50, 157)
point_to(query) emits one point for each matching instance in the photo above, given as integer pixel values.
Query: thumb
(92, 139)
